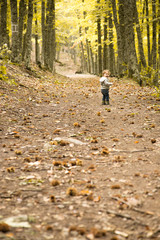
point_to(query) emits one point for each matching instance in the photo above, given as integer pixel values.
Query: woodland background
(123, 36)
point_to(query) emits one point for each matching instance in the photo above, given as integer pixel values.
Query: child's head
(106, 72)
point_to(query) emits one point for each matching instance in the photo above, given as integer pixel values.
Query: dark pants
(105, 93)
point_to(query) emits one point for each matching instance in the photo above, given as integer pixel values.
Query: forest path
(74, 169)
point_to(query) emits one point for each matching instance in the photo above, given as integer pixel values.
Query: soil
(71, 168)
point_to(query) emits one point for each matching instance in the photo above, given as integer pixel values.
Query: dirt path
(73, 169)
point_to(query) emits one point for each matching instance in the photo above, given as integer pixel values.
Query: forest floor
(73, 169)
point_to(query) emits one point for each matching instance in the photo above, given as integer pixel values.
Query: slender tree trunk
(158, 65)
(37, 50)
(120, 39)
(88, 57)
(22, 14)
(139, 35)
(154, 43)
(99, 42)
(43, 30)
(105, 47)
(111, 49)
(49, 49)
(122, 34)
(29, 35)
(14, 24)
(148, 35)
(92, 60)
(130, 39)
(4, 38)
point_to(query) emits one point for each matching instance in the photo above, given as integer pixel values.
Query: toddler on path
(105, 84)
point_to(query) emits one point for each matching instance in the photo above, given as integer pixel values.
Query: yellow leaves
(71, 191)
(52, 198)
(79, 230)
(104, 151)
(79, 162)
(119, 159)
(92, 167)
(45, 115)
(153, 140)
(4, 227)
(90, 186)
(108, 109)
(94, 140)
(98, 233)
(90, 197)
(115, 140)
(84, 192)
(102, 120)
(115, 186)
(11, 169)
(18, 152)
(56, 131)
(53, 143)
(55, 182)
(98, 113)
(63, 143)
(57, 163)
(76, 124)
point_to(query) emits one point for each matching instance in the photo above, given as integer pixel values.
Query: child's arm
(107, 82)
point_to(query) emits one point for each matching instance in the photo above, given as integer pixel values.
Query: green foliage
(4, 59)
(157, 93)
(148, 74)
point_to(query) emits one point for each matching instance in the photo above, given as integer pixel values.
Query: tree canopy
(122, 36)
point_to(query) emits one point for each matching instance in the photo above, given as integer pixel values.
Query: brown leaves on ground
(77, 168)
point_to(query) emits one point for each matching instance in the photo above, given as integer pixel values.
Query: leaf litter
(73, 169)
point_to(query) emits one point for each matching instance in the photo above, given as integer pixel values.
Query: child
(104, 81)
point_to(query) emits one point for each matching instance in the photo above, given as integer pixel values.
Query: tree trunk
(148, 36)
(92, 60)
(120, 40)
(99, 42)
(14, 24)
(49, 51)
(130, 39)
(37, 49)
(158, 64)
(83, 61)
(154, 43)
(28, 42)
(88, 57)
(111, 50)
(22, 14)
(105, 47)
(43, 30)
(4, 38)
(139, 35)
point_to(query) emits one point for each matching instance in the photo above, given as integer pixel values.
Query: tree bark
(37, 48)
(111, 49)
(4, 38)
(22, 14)
(154, 42)
(139, 35)
(99, 42)
(130, 39)
(14, 24)
(158, 65)
(43, 30)
(120, 39)
(105, 47)
(49, 51)
(148, 35)
(28, 42)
